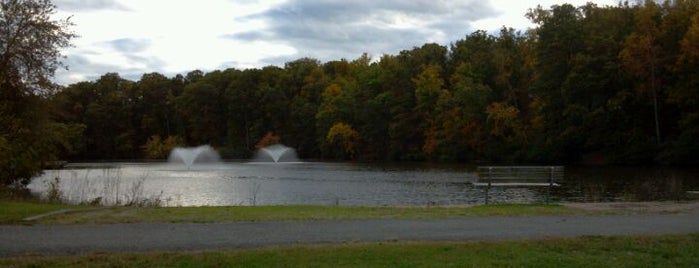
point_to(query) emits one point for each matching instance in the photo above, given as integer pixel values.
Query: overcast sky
(132, 37)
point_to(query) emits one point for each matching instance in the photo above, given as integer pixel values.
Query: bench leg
(548, 190)
(487, 189)
(487, 193)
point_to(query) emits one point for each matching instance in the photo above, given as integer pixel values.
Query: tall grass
(106, 189)
(254, 189)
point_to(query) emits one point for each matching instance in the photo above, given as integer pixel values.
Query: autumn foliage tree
(159, 148)
(617, 84)
(345, 138)
(269, 139)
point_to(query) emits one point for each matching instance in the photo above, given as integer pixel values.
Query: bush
(156, 148)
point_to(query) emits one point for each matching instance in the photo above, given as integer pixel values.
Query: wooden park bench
(519, 176)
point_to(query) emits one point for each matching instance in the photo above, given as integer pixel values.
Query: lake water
(318, 183)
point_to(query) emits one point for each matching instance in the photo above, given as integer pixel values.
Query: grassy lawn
(641, 251)
(291, 213)
(12, 212)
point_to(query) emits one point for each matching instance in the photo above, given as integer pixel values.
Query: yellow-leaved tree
(344, 136)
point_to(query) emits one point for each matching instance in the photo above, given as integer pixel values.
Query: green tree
(157, 148)
(30, 51)
(684, 93)
(243, 110)
(596, 79)
(371, 114)
(69, 107)
(111, 132)
(559, 41)
(478, 51)
(155, 106)
(306, 79)
(467, 135)
(406, 140)
(202, 108)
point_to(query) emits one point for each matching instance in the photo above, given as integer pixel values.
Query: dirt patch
(640, 207)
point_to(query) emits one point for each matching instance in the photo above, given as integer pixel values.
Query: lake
(353, 184)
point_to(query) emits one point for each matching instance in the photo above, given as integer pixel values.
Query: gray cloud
(322, 29)
(88, 5)
(335, 29)
(79, 63)
(129, 45)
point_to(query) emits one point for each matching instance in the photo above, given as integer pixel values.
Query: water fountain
(276, 153)
(190, 155)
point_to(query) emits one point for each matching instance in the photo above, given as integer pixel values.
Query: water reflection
(237, 183)
(587, 184)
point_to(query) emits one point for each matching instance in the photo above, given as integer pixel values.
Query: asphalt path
(138, 237)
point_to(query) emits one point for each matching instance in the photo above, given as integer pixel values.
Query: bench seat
(519, 176)
(514, 184)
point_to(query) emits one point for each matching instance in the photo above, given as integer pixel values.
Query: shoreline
(301, 213)
(642, 206)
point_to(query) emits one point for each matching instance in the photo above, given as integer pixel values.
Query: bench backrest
(526, 174)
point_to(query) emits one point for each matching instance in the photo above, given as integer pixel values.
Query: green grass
(638, 251)
(293, 213)
(12, 212)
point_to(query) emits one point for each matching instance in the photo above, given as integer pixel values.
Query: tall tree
(30, 52)
(684, 93)
(406, 140)
(111, 132)
(429, 87)
(155, 97)
(558, 43)
(203, 109)
(641, 53)
(306, 80)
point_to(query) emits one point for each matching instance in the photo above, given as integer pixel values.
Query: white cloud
(512, 13)
(133, 37)
(158, 35)
(88, 5)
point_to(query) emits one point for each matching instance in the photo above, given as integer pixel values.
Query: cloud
(132, 37)
(130, 45)
(82, 68)
(335, 29)
(88, 5)
(127, 56)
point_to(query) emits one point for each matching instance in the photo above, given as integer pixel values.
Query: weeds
(254, 190)
(135, 196)
(54, 194)
(110, 192)
(112, 186)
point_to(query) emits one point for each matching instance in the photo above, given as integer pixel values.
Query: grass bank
(638, 251)
(294, 213)
(13, 212)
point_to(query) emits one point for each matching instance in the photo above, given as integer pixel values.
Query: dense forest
(589, 84)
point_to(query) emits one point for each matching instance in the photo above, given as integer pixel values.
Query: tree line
(589, 84)
(615, 84)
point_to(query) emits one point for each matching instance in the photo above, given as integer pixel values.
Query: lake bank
(40, 213)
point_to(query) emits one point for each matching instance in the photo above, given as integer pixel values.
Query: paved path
(73, 239)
